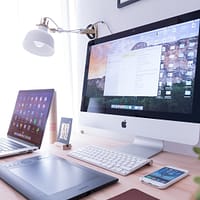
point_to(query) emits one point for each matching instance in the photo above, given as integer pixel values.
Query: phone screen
(165, 174)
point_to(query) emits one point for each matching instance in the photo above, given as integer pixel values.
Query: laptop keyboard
(7, 145)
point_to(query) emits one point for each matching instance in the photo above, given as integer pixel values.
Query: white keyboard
(117, 162)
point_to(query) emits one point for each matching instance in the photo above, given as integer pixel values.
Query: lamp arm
(45, 22)
(81, 31)
(91, 30)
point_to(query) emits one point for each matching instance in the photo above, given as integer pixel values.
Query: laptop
(28, 122)
(71, 180)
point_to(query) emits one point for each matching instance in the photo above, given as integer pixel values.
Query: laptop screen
(30, 115)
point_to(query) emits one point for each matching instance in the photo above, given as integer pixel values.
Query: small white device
(164, 177)
(115, 161)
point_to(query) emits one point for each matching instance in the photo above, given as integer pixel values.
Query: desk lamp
(41, 43)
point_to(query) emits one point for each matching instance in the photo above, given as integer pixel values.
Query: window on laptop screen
(150, 71)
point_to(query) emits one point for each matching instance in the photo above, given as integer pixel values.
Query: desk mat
(133, 194)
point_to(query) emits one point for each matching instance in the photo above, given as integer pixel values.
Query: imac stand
(143, 147)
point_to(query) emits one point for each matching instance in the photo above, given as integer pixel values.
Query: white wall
(139, 13)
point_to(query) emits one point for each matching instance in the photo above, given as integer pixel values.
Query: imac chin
(144, 82)
(147, 137)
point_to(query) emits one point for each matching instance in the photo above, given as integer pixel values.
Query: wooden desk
(182, 190)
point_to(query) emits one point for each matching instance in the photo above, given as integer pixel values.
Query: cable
(107, 26)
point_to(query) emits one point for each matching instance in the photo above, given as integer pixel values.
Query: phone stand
(63, 146)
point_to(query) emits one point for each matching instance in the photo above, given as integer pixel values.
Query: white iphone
(164, 177)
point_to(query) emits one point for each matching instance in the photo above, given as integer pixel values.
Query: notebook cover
(133, 194)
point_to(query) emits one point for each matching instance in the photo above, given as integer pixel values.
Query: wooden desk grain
(183, 190)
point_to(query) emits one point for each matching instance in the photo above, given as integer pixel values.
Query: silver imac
(143, 84)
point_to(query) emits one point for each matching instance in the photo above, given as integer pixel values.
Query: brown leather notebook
(133, 194)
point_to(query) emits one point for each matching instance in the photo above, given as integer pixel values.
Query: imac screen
(151, 71)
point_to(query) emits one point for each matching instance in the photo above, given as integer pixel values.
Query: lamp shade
(39, 42)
